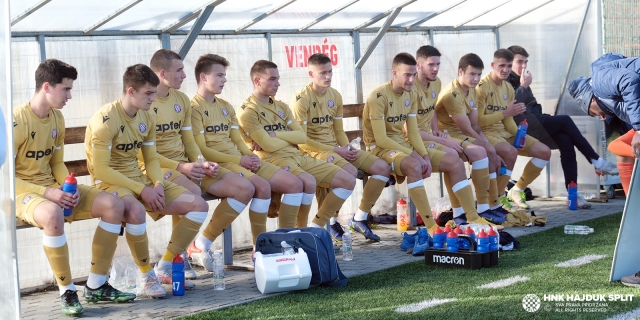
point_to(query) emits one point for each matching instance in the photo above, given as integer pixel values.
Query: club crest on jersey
(392, 153)
(167, 175)
(177, 108)
(26, 199)
(433, 94)
(431, 145)
(330, 104)
(281, 114)
(115, 193)
(225, 112)
(287, 168)
(143, 128)
(472, 103)
(330, 159)
(407, 102)
(54, 133)
(505, 96)
(241, 174)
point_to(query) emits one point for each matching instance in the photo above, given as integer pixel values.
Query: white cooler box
(279, 273)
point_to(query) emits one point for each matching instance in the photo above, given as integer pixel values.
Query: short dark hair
(260, 67)
(161, 60)
(403, 58)
(54, 71)
(205, 62)
(503, 54)
(470, 59)
(519, 50)
(318, 59)
(425, 52)
(137, 76)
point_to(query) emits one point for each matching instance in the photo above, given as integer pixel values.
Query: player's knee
(380, 168)
(308, 184)
(200, 205)
(410, 167)
(135, 213)
(345, 180)
(293, 185)
(50, 217)
(113, 206)
(475, 153)
(545, 152)
(351, 170)
(262, 188)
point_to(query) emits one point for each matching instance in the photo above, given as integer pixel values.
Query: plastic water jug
(280, 273)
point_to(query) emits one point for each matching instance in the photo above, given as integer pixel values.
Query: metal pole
(195, 31)
(355, 35)
(431, 41)
(269, 47)
(573, 56)
(496, 32)
(165, 38)
(43, 49)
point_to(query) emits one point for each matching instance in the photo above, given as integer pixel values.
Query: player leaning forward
(176, 147)
(216, 131)
(38, 146)
(318, 109)
(269, 126)
(386, 111)
(114, 137)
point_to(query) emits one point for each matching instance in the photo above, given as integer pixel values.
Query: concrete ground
(241, 287)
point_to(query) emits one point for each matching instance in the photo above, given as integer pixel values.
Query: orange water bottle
(403, 215)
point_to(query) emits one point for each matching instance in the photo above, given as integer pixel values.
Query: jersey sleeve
(454, 105)
(20, 137)
(250, 123)
(197, 124)
(300, 106)
(58, 168)
(295, 135)
(485, 119)
(190, 147)
(235, 134)
(338, 124)
(412, 128)
(377, 106)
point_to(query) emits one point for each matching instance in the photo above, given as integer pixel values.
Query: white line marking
(503, 283)
(582, 260)
(633, 314)
(424, 305)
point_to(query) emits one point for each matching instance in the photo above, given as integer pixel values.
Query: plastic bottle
(347, 245)
(483, 241)
(177, 276)
(70, 185)
(447, 229)
(201, 161)
(573, 229)
(354, 144)
(469, 232)
(403, 215)
(287, 249)
(572, 199)
(446, 133)
(503, 169)
(493, 240)
(452, 242)
(439, 237)
(461, 241)
(218, 271)
(521, 135)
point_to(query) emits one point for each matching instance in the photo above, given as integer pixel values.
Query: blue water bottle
(521, 135)
(572, 198)
(439, 237)
(469, 232)
(483, 241)
(493, 240)
(452, 242)
(70, 185)
(177, 276)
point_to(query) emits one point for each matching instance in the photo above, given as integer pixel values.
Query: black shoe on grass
(71, 304)
(106, 293)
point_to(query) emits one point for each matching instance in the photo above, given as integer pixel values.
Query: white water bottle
(354, 144)
(286, 249)
(218, 271)
(572, 229)
(201, 161)
(347, 245)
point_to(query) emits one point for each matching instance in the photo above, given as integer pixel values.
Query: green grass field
(377, 295)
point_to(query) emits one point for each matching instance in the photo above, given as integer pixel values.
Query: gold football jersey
(493, 100)
(451, 103)
(428, 98)
(35, 141)
(385, 104)
(274, 116)
(111, 128)
(172, 114)
(318, 112)
(215, 121)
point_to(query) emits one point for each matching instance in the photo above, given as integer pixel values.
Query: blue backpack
(316, 242)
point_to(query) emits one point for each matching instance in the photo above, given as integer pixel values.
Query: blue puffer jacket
(615, 81)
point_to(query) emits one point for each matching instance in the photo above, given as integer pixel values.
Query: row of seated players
(141, 151)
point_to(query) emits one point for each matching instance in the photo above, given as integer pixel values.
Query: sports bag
(316, 242)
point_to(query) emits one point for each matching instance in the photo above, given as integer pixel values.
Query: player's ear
(310, 74)
(460, 72)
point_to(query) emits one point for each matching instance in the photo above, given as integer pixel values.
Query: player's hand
(525, 78)
(153, 198)
(349, 155)
(192, 170)
(499, 162)
(635, 144)
(439, 134)
(256, 163)
(246, 162)
(514, 108)
(211, 169)
(453, 145)
(63, 199)
(255, 146)
(426, 167)
(271, 134)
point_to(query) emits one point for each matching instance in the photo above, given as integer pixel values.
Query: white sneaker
(608, 168)
(203, 258)
(148, 286)
(189, 273)
(582, 203)
(519, 198)
(164, 277)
